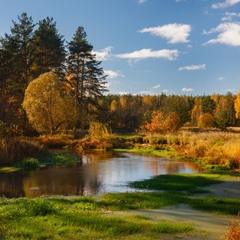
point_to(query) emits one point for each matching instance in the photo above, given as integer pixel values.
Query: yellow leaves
(47, 107)
(206, 121)
(98, 130)
(237, 106)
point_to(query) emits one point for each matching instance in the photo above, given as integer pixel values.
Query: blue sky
(182, 47)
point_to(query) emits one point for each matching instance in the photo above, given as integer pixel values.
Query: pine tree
(84, 73)
(49, 51)
(18, 52)
(16, 61)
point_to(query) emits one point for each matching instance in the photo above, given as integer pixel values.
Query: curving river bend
(94, 175)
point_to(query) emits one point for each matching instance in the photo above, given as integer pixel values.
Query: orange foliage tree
(206, 121)
(157, 124)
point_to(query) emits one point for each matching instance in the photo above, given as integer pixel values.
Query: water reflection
(96, 174)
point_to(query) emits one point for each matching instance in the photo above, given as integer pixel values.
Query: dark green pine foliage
(17, 50)
(15, 71)
(84, 73)
(49, 51)
(208, 105)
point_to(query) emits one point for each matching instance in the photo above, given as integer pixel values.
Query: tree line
(161, 113)
(32, 49)
(48, 84)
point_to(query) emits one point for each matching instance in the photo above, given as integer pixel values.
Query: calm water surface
(94, 175)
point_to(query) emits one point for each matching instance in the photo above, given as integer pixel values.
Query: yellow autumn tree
(206, 120)
(237, 105)
(48, 107)
(172, 122)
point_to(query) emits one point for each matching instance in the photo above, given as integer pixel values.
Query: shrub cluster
(215, 148)
(13, 150)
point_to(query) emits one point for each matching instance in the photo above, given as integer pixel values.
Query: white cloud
(220, 78)
(174, 33)
(165, 91)
(104, 54)
(157, 86)
(193, 67)
(229, 16)
(229, 34)
(227, 3)
(149, 53)
(112, 74)
(123, 93)
(142, 1)
(187, 90)
(152, 91)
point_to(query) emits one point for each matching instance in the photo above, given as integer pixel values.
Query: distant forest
(41, 73)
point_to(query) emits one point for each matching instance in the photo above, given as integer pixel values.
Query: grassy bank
(89, 218)
(211, 149)
(80, 218)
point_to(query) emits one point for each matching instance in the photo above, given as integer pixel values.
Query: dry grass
(14, 150)
(220, 148)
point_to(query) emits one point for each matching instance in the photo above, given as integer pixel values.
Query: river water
(95, 174)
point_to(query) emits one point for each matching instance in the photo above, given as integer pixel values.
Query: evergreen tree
(18, 52)
(49, 51)
(84, 73)
(16, 61)
(208, 105)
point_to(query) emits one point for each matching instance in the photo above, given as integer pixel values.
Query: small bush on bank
(30, 163)
(60, 159)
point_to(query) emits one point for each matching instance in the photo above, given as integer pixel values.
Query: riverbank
(214, 150)
(131, 215)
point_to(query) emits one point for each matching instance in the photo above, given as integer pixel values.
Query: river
(94, 175)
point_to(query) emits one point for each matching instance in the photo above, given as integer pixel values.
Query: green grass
(216, 205)
(89, 218)
(190, 183)
(79, 218)
(8, 169)
(155, 151)
(59, 159)
(140, 200)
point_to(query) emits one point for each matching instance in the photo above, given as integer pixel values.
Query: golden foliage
(237, 106)
(48, 107)
(99, 130)
(206, 121)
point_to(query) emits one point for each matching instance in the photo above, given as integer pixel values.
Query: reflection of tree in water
(54, 181)
(88, 177)
(11, 184)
